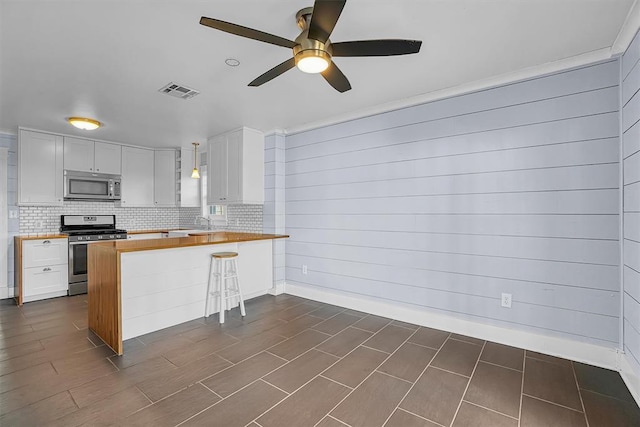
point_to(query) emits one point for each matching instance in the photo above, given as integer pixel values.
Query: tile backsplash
(46, 219)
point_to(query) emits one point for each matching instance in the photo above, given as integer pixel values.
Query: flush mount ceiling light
(84, 123)
(195, 174)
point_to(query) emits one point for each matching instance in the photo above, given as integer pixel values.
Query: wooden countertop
(198, 239)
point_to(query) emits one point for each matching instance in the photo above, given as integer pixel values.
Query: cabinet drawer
(45, 252)
(44, 280)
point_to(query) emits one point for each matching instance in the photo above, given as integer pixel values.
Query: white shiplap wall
(444, 206)
(631, 195)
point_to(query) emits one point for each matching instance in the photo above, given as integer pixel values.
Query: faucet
(199, 221)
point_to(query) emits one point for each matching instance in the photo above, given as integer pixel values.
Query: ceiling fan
(312, 49)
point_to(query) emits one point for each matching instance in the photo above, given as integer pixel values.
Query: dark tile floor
(290, 362)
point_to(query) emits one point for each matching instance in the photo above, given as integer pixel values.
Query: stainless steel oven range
(82, 230)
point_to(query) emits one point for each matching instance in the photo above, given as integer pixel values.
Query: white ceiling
(106, 59)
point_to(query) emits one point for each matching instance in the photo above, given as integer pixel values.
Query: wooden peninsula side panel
(104, 309)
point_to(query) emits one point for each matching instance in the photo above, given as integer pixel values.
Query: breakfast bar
(141, 286)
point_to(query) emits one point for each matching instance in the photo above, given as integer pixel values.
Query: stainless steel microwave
(91, 186)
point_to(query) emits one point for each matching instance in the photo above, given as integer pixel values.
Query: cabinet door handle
(46, 269)
(46, 242)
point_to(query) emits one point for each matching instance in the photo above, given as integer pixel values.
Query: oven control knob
(79, 238)
(111, 236)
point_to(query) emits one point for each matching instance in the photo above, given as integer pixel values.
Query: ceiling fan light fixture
(84, 123)
(312, 61)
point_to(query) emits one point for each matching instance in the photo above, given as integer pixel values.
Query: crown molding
(628, 31)
(563, 65)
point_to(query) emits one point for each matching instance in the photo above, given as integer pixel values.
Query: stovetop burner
(84, 228)
(94, 232)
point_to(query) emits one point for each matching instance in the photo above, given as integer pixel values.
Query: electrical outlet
(304, 269)
(506, 300)
(13, 214)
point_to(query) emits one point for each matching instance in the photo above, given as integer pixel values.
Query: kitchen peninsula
(141, 286)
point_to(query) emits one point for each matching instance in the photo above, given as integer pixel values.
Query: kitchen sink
(185, 233)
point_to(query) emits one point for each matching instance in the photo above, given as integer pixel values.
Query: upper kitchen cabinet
(236, 168)
(165, 178)
(92, 156)
(189, 188)
(40, 168)
(137, 177)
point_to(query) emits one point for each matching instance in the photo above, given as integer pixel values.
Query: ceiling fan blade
(335, 78)
(274, 72)
(324, 17)
(249, 33)
(376, 47)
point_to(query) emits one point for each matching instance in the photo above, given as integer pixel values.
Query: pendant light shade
(195, 174)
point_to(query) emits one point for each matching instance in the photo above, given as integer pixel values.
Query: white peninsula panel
(165, 287)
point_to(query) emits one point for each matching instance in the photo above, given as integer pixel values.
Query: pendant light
(196, 173)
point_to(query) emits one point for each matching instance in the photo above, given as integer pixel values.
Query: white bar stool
(223, 269)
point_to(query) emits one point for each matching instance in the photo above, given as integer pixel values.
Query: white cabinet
(108, 158)
(137, 177)
(92, 156)
(188, 188)
(40, 169)
(165, 178)
(45, 272)
(235, 168)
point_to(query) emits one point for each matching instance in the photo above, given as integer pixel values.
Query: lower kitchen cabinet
(41, 268)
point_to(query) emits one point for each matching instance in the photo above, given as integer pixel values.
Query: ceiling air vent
(178, 91)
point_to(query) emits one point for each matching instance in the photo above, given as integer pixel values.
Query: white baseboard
(591, 354)
(630, 377)
(6, 292)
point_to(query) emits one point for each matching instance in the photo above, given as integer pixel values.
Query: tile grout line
(551, 403)
(147, 397)
(524, 368)
(373, 332)
(426, 346)
(274, 386)
(371, 348)
(419, 416)
(281, 358)
(333, 418)
(451, 372)
(575, 378)
(500, 366)
(416, 381)
(203, 385)
(468, 383)
(490, 410)
(334, 381)
(393, 376)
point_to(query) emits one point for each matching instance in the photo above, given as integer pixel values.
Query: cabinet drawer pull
(46, 242)
(46, 269)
